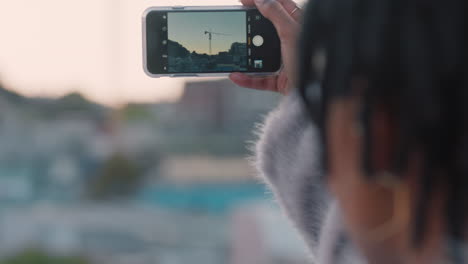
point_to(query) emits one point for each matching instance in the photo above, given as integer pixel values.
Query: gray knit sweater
(286, 159)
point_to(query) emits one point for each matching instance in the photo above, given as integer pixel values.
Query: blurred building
(222, 105)
(213, 117)
(196, 169)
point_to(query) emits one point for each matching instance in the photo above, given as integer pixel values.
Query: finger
(259, 83)
(292, 8)
(289, 6)
(276, 13)
(248, 2)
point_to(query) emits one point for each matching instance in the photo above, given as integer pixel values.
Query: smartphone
(185, 41)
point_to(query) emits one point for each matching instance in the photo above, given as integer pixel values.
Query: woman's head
(392, 112)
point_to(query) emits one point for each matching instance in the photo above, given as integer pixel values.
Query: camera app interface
(211, 42)
(206, 41)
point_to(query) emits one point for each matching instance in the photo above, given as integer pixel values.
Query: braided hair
(413, 57)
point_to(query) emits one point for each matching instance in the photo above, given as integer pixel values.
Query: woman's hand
(285, 16)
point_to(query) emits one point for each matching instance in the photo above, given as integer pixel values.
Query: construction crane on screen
(210, 36)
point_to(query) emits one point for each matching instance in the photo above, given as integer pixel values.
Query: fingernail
(259, 2)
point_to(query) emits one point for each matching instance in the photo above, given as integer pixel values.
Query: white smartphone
(184, 41)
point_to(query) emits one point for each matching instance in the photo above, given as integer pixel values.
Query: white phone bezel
(190, 8)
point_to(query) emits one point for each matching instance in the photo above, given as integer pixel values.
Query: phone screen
(211, 42)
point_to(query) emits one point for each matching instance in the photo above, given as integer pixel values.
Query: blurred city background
(101, 164)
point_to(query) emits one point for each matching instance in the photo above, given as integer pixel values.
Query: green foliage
(33, 256)
(119, 177)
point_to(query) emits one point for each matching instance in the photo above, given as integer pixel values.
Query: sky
(231, 24)
(54, 47)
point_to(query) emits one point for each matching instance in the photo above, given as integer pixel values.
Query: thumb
(277, 14)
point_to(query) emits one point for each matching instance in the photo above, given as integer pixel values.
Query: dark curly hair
(413, 57)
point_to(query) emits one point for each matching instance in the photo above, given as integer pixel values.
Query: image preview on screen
(214, 41)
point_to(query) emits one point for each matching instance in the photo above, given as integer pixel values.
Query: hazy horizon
(93, 47)
(50, 48)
